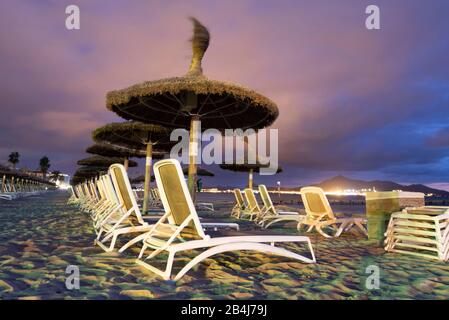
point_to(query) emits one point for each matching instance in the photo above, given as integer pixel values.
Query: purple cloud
(365, 103)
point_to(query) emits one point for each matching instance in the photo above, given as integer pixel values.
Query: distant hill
(344, 183)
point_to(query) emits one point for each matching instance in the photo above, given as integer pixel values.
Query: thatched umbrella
(137, 135)
(90, 171)
(104, 161)
(140, 179)
(109, 150)
(194, 101)
(246, 167)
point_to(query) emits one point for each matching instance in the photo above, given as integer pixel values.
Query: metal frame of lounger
(419, 231)
(271, 215)
(181, 221)
(319, 214)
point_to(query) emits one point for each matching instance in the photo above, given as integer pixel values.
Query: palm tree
(55, 175)
(44, 164)
(14, 158)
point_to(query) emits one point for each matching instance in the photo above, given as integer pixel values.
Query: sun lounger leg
(133, 241)
(166, 274)
(320, 231)
(243, 246)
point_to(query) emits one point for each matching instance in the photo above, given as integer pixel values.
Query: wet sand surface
(40, 236)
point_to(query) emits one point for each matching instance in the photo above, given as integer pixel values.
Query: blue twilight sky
(362, 103)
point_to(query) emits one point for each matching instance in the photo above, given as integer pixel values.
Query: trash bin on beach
(380, 206)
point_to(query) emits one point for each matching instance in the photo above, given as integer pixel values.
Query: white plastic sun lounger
(422, 232)
(180, 229)
(125, 221)
(109, 202)
(240, 205)
(320, 215)
(253, 211)
(271, 215)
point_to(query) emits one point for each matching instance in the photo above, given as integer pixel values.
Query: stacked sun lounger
(420, 231)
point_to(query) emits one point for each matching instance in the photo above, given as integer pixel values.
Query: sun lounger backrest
(251, 199)
(93, 189)
(99, 185)
(315, 202)
(239, 198)
(74, 192)
(124, 191)
(86, 190)
(109, 187)
(266, 199)
(105, 188)
(175, 196)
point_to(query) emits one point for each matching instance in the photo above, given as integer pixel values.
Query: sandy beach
(41, 236)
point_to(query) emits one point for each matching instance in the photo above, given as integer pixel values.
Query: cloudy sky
(362, 103)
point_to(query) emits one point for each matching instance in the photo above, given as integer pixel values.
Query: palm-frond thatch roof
(104, 161)
(109, 150)
(135, 135)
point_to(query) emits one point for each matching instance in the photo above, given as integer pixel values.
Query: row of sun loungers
(119, 224)
(154, 199)
(319, 214)
(14, 188)
(116, 218)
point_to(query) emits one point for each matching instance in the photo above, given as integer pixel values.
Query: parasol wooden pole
(250, 179)
(193, 154)
(146, 188)
(126, 163)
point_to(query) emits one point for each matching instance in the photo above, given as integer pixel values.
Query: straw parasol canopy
(200, 172)
(90, 171)
(140, 179)
(186, 101)
(109, 150)
(103, 161)
(247, 167)
(137, 135)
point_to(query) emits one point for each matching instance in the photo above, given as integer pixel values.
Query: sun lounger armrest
(289, 212)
